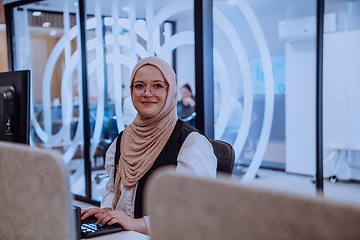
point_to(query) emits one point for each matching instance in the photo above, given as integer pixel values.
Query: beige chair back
(189, 207)
(35, 201)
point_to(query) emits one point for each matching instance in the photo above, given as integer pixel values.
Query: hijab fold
(144, 139)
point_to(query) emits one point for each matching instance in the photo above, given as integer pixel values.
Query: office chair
(225, 155)
(35, 198)
(184, 206)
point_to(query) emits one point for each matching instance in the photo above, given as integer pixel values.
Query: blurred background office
(264, 64)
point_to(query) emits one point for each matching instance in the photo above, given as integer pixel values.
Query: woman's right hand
(85, 213)
(127, 222)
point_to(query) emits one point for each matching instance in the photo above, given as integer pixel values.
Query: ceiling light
(126, 9)
(53, 32)
(36, 13)
(46, 24)
(232, 2)
(76, 4)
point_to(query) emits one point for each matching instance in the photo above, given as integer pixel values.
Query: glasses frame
(146, 86)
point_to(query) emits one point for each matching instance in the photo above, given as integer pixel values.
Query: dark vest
(168, 156)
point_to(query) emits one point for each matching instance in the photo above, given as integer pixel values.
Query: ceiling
(257, 5)
(292, 8)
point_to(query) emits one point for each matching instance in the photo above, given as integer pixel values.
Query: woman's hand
(85, 213)
(118, 216)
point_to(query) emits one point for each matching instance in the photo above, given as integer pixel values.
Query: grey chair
(35, 198)
(225, 155)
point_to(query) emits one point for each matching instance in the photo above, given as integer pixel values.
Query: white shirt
(195, 156)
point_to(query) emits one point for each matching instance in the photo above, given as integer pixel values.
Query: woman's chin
(147, 115)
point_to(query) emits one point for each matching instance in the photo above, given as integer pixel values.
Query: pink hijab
(144, 139)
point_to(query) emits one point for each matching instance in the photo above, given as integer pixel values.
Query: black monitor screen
(15, 106)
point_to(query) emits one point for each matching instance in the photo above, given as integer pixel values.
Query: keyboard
(88, 228)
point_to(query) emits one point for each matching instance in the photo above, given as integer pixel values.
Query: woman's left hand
(85, 213)
(127, 222)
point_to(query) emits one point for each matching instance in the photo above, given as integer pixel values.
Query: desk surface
(123, 235)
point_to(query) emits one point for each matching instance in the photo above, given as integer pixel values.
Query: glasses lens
(157, 89)
(138, 89)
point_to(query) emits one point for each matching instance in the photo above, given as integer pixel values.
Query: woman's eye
(158, 85)
(139, 85)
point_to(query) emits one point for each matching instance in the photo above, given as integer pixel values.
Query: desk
(123, 235)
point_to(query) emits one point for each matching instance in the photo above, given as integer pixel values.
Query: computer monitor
(15, 106)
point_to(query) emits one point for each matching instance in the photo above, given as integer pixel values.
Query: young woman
(187, 103)
(154, 139)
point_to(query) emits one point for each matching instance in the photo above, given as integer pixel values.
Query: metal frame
(204, 74)
(9, 20)
(87, 162)
(319, 94)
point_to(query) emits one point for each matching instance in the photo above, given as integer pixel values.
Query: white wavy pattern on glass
(118, 59)
(240, 53)
(71, 63)
(269, 89)
(46, 135)
(229, 31)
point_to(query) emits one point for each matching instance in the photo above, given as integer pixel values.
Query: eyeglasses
(155, 89)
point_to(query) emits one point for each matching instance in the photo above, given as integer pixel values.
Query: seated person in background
(186, 106)
(154, 139)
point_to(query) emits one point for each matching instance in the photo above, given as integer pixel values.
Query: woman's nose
(147, 91)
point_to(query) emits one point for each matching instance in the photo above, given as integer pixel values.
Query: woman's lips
(148, 103)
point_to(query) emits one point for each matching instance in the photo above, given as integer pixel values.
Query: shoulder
(183, 126)
(197, 155)
(181, 131)
(197, 139)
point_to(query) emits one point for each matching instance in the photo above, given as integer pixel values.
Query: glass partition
(118, 34)
(264, 83)
(46, 38)
(264, 79)
(3, 44)
(341, 91)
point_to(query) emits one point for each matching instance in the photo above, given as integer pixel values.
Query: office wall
(341, 105)
(341, 90)
(300, 107)
(3, 50)
(2, 13)
(3, 44)
(42, 46)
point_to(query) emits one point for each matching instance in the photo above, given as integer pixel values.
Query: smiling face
(148, 105)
